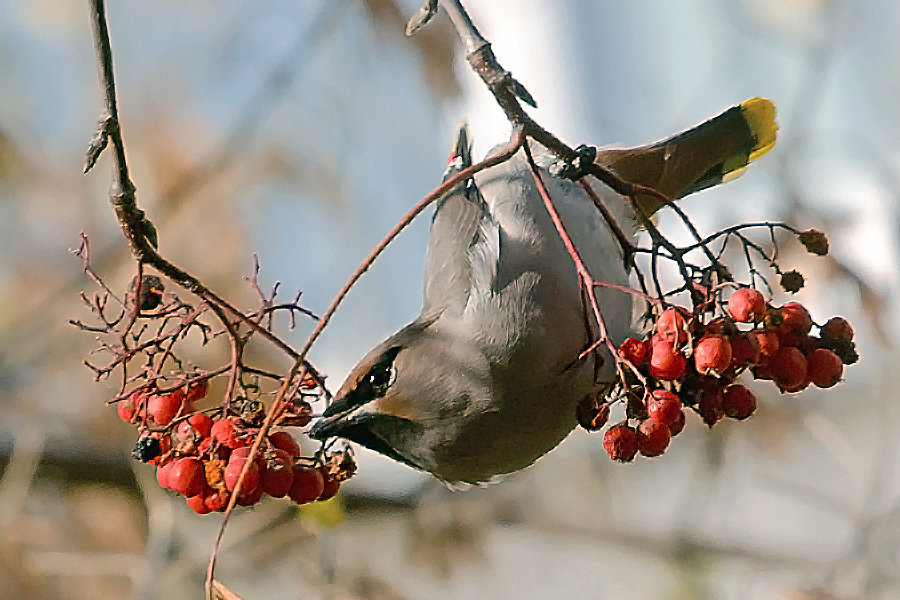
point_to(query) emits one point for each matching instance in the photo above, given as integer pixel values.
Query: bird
(486, 379)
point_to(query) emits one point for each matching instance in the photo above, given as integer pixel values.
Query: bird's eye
(381, 377)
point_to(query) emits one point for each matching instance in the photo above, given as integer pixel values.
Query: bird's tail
(713, 152)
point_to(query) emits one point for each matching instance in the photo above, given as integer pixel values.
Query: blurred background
(302, 131)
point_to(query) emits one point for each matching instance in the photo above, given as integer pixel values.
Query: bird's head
(406, 399)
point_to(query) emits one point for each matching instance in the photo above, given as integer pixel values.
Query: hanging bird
(486, 379)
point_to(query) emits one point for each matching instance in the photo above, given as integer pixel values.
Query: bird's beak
(329, 426)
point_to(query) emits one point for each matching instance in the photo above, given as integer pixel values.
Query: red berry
(837, 329)
(634, 350)
(250, 498)
(162, 473)
(652, 438)
(330, 485)
(767, 342)
(664, 407)
(795, 321)
(201, 423)
(744, 350)
(278, 475)
(665, 361)
(823, 367)
(712, 354)
(130, 406)
(163, 408)
(746, 305)
(198, 504)
(620, 442)
(187, 477)
(738, 402)
(788, 368)
(677, 427)
(710, 405)
(236, 463)
(307, 484)
(671, 327)
(226, 431)
(716, 326)
(285, 441)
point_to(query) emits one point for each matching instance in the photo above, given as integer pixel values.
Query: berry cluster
(200, 454)
(692, 359)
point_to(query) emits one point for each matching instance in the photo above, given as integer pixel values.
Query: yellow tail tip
(760, 116)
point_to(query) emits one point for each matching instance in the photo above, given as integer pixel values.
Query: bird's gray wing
(463, 251)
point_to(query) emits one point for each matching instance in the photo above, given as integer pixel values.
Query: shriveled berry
(634, 350)
(815, 241)
(146, 448)
(738, 402)
(837, 329)
(652, 438)
(635, 408)
(620, 442)
(307, 484)
(278, 475)
(664, 407)
(788, 368)
(671, 326)
(824, 368)
(712, 354)
(792, 281)
(592, 412)
(187, 476)
(285, 441)
(666, 362)
(746, 305)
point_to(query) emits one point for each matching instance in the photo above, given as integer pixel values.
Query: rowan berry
(187, 476)
(837, 329)
(634, 351)
(788, 368)
(824, 368)
(620, 442)
(278, 475)
(285, 441)
(747, 305)
(712, 354)
(671, 326)
(307, 484)
(664, 407)
(738, 402)
(652, 438)
(666, 362)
